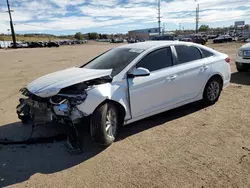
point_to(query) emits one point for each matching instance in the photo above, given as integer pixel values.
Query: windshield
(116, 59)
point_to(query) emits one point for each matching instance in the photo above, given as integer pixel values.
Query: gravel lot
(190, 146)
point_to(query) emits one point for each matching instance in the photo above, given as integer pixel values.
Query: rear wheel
(104, 124)
(212, 91)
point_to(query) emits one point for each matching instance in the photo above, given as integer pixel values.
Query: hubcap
(213, 90)
(111, 122)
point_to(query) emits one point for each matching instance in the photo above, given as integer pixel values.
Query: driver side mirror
(136, 72)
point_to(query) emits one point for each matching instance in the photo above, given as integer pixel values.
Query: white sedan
(127, 84)
(243, 58)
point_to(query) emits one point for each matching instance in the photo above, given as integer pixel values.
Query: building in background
(143, 34)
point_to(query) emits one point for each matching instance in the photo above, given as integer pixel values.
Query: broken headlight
(75, 94)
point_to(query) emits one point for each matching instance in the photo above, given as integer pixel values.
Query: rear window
(187, 53)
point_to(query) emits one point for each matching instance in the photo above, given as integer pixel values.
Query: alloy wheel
(213, 90)
(111, 123)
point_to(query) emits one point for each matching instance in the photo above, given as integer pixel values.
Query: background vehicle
(53, 44)
(243, 58)
(212, 36)
(163, 37)
(156, 75)
(186, 40)
(198, 39)
(116, 40)
(205, 37)
(223, 38)
(34, 45)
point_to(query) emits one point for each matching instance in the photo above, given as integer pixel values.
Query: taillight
(227, 60)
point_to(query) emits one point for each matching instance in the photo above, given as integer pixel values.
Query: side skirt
(199, 97)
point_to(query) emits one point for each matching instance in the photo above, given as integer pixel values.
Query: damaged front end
(61, 108)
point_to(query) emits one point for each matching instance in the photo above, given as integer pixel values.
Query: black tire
(241, 68)
(208, 100)
(98, 124)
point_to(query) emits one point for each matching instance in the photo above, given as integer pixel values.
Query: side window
(187, 54)
(157, 60)
(206, 53)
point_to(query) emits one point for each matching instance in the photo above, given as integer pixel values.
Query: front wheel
(212, 91)
(104, 124)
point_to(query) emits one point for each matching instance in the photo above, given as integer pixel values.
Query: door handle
(204, 68)
(170, 78)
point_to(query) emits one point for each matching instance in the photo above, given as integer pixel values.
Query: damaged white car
(127, 84)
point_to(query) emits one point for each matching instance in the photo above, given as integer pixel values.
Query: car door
(153, 92)
(193, 71)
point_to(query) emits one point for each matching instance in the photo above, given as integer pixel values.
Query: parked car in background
(163, 37)
(53, 44)
(132, 40)
(197, 38)
(223, 38)
(212, 36)
(205, 37)
(243, 58)
(127, 84)
(35, 45)
(186, 40)
(116, 40)
(18, 45)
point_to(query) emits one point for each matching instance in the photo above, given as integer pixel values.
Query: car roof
(150, 44)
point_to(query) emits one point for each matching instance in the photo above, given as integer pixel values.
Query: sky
(61, 17)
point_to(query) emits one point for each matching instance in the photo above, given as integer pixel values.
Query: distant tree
(78, 36)
(93, 36)
(204, 28)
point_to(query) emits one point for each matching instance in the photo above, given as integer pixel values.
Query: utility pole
(11, 25)
(163, 29)
(159, 16)
(197, 18)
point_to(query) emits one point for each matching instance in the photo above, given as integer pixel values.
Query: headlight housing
(75, 94)
(240, 53)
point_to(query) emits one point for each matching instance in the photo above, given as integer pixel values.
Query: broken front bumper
(41, 112)
(37, 112)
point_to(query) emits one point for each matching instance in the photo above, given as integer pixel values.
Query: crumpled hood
(49, 85)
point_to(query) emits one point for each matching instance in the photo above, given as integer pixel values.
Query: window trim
(177, 60)
(172, 57)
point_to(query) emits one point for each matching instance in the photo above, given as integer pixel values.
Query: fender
(116, 91)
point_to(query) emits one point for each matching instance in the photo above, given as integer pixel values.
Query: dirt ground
(191, 146)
